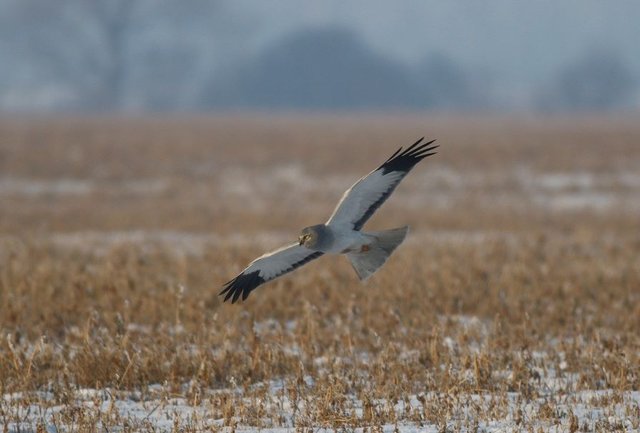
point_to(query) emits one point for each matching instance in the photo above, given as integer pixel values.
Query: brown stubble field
(514, 303)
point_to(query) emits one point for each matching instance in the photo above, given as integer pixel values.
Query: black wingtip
(410, 148)
(394, 154)
(236, 295)
(226, 290)
(405, 160)
(431, 142)
(242, 285)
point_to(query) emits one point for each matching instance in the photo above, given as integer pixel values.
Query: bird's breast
(347, 240)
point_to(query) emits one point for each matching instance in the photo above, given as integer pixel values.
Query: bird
(342, 233)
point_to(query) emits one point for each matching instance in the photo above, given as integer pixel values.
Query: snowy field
(161, 411)
(555, 402)
(514, 304)
(559, 403)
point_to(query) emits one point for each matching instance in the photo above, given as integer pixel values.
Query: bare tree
(318, 68)
(115, 20)
(600, 80)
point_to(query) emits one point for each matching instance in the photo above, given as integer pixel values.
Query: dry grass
(516, 298)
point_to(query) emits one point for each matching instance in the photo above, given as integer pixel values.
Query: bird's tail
(366, 263)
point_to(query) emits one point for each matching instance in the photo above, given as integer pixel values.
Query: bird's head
(308, 237)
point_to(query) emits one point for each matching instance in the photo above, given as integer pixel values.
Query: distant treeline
(50, 64)
(331, 68)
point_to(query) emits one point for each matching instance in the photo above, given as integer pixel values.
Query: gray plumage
(341, 234)
(317, 238)
(367, 263)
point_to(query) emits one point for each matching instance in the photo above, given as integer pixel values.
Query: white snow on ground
(598, 410)
(35, 187)
(158, 408)
(195, 243)
(166, 413)
(581, 190)
(77, 187)
(558, 191)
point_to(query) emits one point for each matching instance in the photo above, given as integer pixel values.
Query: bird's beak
(300, 240)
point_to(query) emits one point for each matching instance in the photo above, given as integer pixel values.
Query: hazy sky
(54, 52)
(522, 42)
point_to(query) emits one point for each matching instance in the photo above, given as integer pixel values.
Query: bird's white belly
(347, 240)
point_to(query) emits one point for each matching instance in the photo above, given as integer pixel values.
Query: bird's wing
(267, 268)
(367, 195)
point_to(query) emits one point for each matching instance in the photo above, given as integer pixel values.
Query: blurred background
(414, 55)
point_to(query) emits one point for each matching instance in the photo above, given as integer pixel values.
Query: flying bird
(341, 234)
